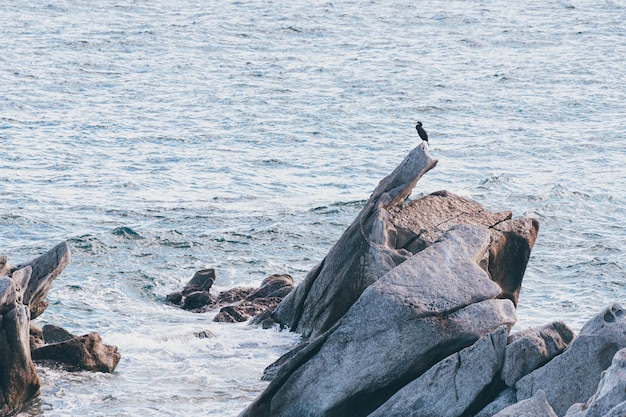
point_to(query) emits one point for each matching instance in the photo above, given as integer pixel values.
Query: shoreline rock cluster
(23, 291)
(236, 304)
(410, 314)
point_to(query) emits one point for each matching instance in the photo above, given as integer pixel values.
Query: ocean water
(159, 138)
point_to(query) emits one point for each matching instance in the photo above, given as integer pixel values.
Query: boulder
(436, 303)
(535, 406)
(610, 395)
(451, 386)
(572, 377)
(197, 300)
(276, 285)
(80, 353)
(509, 251)
(258, 303)
(234, 295)
(533, 348)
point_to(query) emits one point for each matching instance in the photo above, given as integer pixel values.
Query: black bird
(421, 131)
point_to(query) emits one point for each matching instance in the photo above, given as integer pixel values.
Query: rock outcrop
(387, 232)
(409, 315)
(23, 289)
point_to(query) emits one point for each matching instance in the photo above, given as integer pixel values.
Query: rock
(533, 348)
(422, 222)
(234, 295)
(504, 399)
(45, 269)
(276, 285)
(55, 334)
(257, 303)
(236, 304)
(572, 377)
(511, 243)
(436, 303)
(36, 336)
(174, 298)
(204, 334)
(201, 281)
(450, 387)
(535, 406)
(6, 269)
(360, 257)
(611, 391)
(19, 382)
(387, 232)
(197, 300)
(80, 353)
(246, 309)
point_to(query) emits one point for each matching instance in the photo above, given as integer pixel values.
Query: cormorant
(421, 131)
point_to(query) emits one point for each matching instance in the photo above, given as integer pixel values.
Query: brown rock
(80, 353)
(197, 300)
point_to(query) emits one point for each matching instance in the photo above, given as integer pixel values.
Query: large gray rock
(360, 257)
(611, 392)
(387, 232)
(535, 406)
(533, 348)
(437, 303)
(572, 377)
(450, 387)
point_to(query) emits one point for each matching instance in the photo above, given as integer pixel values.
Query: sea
(161, 137)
